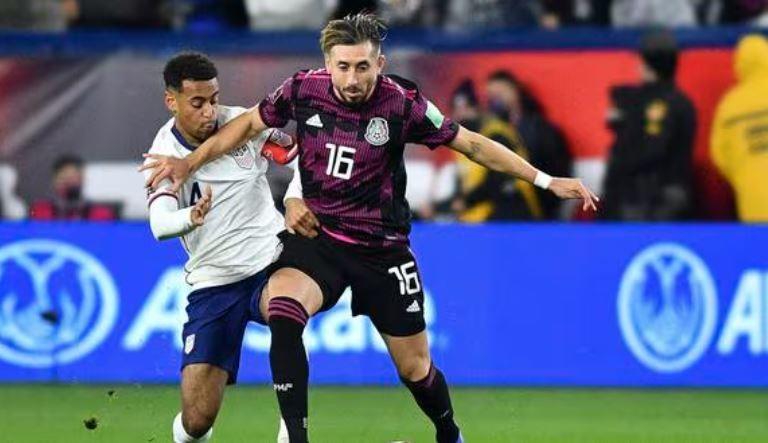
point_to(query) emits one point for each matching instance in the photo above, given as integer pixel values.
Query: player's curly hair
(188, 66)
(352, 30)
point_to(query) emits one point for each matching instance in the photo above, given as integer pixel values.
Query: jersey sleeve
(164, 190)
(166, 220)
(276, 109)
(426, 125)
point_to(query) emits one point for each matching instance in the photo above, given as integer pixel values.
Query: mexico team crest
(377, 132)
(243, 157)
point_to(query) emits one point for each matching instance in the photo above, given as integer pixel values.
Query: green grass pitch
(133, 413)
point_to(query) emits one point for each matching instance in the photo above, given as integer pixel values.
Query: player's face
(195, 107)
(354, 70)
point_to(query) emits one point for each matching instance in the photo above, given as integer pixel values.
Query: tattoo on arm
(474, 148)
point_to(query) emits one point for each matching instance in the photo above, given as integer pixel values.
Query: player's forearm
(493, 155)
(294, 188)
(166, 221)
(230, 136)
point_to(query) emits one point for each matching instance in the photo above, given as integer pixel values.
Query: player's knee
(294, 284)
(197, 423)
(414, 368)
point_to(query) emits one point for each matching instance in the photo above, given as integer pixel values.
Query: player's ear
(170, 102)
(381, 62)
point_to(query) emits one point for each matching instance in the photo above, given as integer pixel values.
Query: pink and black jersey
(351, 156)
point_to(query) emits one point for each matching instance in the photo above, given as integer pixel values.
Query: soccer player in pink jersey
(353, 123)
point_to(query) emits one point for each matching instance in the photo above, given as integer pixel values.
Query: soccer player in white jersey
(227, 222)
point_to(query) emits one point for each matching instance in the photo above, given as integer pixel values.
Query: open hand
(202, 207)
(165, 167)
(573, 188)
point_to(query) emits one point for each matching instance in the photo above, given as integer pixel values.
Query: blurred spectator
(271, 15)
(132, 13)
(474, 200)
(215, 15)
(709, 12)
(742, 11)
(761, 20)
(490, 195)
(12, 207)
(485, 14)
(645, 13)
(67, 201)
(512, 103)
(558, 13)
(424, 13)
(38, 15)
(740, 130)
(346, 7)
(649, 175)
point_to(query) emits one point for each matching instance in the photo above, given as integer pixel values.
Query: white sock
(282, 433)
(180, 434)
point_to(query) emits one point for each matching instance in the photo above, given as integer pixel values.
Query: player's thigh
(295, 284)
(202, 390)
(216, 322)
(386, 286)
(307, 270)
(410, 355)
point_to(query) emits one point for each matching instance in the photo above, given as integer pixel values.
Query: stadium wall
(597, 305)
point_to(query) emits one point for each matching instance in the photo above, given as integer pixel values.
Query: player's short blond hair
(352, 30)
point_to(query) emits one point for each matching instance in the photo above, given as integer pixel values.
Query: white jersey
(239, 235)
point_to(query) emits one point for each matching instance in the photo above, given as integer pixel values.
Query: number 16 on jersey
(341, 161)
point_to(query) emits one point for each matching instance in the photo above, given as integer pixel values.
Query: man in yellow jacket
(740, 130)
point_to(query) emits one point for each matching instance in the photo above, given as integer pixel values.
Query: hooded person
(650, 166)
(739, 139)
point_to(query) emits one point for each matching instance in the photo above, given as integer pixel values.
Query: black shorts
(385, 281)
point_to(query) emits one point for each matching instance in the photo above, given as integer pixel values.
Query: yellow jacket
(739, 140)
(472, 175)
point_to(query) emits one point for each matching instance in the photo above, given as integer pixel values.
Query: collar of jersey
(180, 138)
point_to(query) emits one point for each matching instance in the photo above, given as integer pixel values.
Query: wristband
(542, 180)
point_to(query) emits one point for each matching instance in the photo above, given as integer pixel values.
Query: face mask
(498, 108)
(72, 193)
(473, 124)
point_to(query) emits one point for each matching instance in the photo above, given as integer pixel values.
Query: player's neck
(186, 139)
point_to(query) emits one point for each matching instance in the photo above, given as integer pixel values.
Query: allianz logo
(57, 303)
(668, 306)
(334, 331)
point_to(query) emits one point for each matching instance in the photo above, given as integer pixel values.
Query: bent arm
(167, 221)
(235, 133)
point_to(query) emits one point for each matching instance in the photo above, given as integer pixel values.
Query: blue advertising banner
(613, 305)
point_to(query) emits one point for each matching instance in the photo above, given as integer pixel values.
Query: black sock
(288, 360)
(431, 394)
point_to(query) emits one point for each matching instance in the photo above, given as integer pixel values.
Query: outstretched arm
(235, 133)
(495, 156)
